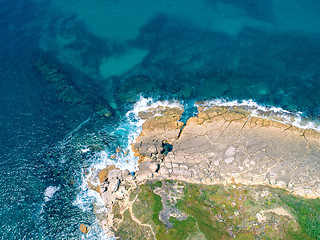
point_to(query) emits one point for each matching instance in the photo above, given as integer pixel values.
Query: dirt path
(137, 220)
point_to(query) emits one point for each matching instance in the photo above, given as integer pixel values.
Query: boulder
(144, 171)
(118, 150)
(185, 173)
(108, 198)
(164, 172)
(120, 193)
(84, 228)
(103, 187)
(123, 174)
(152, 150)
(104, 173)
(154, 167)
(114, 185)
(113, 174)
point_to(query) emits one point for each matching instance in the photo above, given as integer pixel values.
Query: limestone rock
(160, 124)
(103, 174)
(114, 185)
(108, 198)
(154, 167)
(224, 145)
(113, 174)
(163, 172)
(123, 174)
(144, 171)
(229, 160)
(221, 145)
(120, 193)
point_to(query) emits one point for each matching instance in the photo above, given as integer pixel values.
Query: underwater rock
(70, 95)
(104, 111)
(66, 91)
(212, 88)
(131, 89)
(186, 91)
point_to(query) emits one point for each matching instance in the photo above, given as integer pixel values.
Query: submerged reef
(223, 174)
(67, 91)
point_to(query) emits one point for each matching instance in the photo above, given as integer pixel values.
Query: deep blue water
(111, 52)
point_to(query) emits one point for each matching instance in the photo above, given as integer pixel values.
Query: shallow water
(110, 53)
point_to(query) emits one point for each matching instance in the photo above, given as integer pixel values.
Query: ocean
(74, 74)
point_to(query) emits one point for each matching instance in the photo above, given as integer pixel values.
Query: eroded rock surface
(223, 145)
(161, 126)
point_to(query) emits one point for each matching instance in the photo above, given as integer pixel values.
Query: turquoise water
(109, 53)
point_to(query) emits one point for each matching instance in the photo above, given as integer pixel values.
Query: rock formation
(84, 228)
(221, 145)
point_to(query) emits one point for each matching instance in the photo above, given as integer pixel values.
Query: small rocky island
(223, 174)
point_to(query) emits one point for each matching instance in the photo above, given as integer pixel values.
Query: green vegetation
(217, 212)
(307, 211)
(131, 230)
(143, 207)
(147, 210)
(209, 205)
(116, 211)
(180, 229)
(155, 185)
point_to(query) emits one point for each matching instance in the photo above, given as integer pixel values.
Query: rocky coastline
(219, 146)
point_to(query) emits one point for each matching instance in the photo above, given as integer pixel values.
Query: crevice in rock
(181, 129)
(190, 110)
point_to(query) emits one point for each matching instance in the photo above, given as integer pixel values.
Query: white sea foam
(84, 200)
(84, 150)
(145, 104)
(79, 126)
(270, 112)
(128, 130)
(49, 193)
(86, 195)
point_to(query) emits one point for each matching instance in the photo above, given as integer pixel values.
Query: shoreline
(220, 146)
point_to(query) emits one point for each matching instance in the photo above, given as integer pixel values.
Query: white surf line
(78, 128)
(254, 108)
